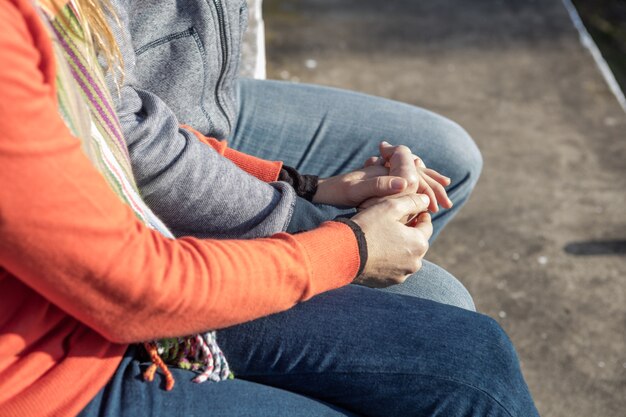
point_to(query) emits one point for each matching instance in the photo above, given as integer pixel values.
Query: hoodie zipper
(224, 47)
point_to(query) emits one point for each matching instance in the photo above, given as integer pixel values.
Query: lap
(128, 395)
(376, 353)
(352, 350)
(325, 131)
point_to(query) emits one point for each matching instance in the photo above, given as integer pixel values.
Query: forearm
(128, 282)
(193, 189)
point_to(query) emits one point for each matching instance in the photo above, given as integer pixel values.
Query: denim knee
(497, 372)
(450, 150)
(472, 160)
(465, 156)
(435, 283)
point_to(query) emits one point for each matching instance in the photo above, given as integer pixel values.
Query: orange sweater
(81, 277)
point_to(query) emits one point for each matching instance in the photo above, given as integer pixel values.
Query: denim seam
(395, 373)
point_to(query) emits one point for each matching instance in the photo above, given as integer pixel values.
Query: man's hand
(403, 163)
(355, 187)
(394, 250)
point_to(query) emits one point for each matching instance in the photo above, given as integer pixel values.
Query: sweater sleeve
(188, 184)
(70, 238)
(262, 169)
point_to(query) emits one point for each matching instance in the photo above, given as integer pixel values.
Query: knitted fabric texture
(85, 106)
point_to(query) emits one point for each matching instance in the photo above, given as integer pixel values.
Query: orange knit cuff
(264, 170)
(333, 253)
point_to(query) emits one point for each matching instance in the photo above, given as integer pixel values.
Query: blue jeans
(352, 350)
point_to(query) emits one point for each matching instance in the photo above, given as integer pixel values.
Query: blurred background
(542, 243)
(606, 22)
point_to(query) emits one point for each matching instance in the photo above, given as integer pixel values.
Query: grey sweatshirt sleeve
(192, 188)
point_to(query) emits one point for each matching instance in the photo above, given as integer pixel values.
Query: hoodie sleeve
(193, 188)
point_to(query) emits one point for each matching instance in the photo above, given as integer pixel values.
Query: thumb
(381, 186)
(386, 149)
(402, 207)
(423, 222)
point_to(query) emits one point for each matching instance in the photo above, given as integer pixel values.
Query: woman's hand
(403, 163)
(396, 171)
(355, 187)
(394, 249)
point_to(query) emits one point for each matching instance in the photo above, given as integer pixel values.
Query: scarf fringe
(199, 353)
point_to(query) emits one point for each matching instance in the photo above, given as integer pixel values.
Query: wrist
(332, 191)
(319, 195)
(361, 241)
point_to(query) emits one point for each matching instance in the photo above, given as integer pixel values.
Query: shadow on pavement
(596, 247)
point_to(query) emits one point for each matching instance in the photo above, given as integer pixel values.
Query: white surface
(253, 48)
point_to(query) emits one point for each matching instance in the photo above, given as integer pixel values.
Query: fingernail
(384, 142)
(398, 184)
(425, 199)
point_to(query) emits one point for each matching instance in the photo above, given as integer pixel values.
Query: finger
(439, 192)
(418, 162)
(386, 149)
(401, 164)
(403, 206)
(425, 188)
(441, 179)
(413, 221)
(424, 224)
(377, 187)
(374, 160)
(371, 202)
(371, 171)
(400, 161)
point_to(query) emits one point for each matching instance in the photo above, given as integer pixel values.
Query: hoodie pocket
(172, 67)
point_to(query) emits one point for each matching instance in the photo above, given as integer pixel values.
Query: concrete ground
(542, 243)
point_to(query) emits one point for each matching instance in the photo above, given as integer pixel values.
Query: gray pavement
(553, 137)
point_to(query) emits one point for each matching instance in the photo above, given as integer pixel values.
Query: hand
(394, 250)
(355, 187)
(402, 163)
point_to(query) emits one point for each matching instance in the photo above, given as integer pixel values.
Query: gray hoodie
(186, 53)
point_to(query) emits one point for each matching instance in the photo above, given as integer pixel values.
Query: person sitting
(87, 271)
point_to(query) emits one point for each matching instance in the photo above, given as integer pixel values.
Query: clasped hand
(394, 191)
(396, 171)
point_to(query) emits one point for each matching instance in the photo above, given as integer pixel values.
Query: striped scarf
(85, 106)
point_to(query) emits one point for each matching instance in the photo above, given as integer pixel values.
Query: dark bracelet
(304, 185)
(360, 239)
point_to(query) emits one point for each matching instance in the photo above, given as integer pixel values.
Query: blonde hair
(92, 15)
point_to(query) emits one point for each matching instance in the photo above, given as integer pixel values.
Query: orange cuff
(331, 266)
(264, 170)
